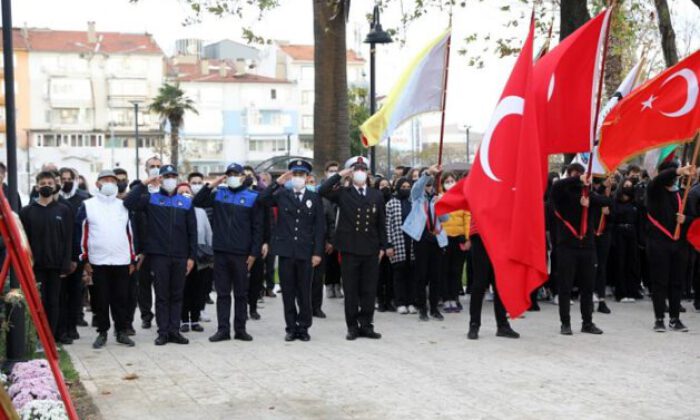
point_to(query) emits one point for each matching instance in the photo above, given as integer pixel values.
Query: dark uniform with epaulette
(297, 236)
(360, 236)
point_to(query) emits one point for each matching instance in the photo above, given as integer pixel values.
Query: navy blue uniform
(169, 241)
(237, 233)
(298, 235)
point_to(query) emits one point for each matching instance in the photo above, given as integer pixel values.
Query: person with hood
(385, 290)
(430, 241)
(400, 248)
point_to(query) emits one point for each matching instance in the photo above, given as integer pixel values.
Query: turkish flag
(453, 199)
(504, 190)
(566, 88)
(663, 111)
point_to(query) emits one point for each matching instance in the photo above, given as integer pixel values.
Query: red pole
(587, 189)
(444, 103)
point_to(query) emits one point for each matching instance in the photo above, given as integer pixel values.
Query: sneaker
(566, 329)
(627, 300)
(489, 296)
(100, 341)
(507, 332)
(473, 333)
(682, 309)
(204, 317)
(677, 325)
(319, 314)
(436, 315)
(255, 316)
(338, 290)
(595, 298)
(412, 309)
(196, 327)
(270, 293)
(146, 324)
(555, 300)
(123, 338)
(590, 328)
(220, 336)
(423, 316)
(130, 331)
(402, 310)
(185, 327)
(330, 291)
(659, 325)
(603, 307)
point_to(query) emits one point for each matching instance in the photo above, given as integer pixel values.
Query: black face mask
(67, 186)
(121, 187)
(248, 181)
(628, 191)
(46, 191)
(386, 191)
(403, 193)
(634, 180)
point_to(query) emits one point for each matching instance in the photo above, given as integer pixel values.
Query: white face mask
(449, 185)
(233, 182)
(298, 182)
(169, 184)
(359, 177)
(153, 172)
(196, 188)
(109, 189)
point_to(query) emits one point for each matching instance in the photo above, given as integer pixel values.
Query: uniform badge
(309, 203)
(179, 203)
(242, 201)
(374, 208)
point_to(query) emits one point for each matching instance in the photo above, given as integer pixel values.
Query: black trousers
(169, 283)
(111, 287)
(360, 274)
(484, 276)
(269, 263)
(404, 283)
(317, 274)
(231, 273)
(205, 279)
(468, 256)
(145, 290)
(295, 280)
(626, 271)
(667, 267)
(454, 267)
(385, 283)
(257, 276)
(50, 281)
(602, 249)
(332, 268)
(429, 257)
(70, 301)
(191, 306)
(696, 276)
(576, 265)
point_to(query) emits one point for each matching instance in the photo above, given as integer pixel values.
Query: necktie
(298, 194)
(362, 192)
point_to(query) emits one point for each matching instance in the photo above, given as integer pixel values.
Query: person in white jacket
(106, 242)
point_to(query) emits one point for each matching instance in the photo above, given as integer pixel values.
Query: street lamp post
(468, 127)
(376, 35)
(136, 133)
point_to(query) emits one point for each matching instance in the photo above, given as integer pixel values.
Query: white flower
(43, 410)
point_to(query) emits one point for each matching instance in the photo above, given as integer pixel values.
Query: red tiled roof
(77, 41)
(193, 73)
(306, 53)
(17, 40)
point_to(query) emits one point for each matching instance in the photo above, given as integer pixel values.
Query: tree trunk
(614, 66)
(331, 119)
(574, 13)
(668, 36)
(174, 142)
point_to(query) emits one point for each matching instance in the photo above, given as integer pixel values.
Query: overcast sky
(472, 93)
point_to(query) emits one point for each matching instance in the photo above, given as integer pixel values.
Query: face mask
(311, 188)
(404, 193)
(233, 182)
(359, 177)
(628, 191)
(46, 191)
(448, 185)
(154, 172)
(298, 182)
(121, 187)
(108, 189)
(248, 181)
(67, 187)
(196, 188)
(330, 173)
(169, 184)
(386, 192)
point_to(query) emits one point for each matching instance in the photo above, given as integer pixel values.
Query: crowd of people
(375, 242)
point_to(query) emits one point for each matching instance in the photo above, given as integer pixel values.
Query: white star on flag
(648, 103)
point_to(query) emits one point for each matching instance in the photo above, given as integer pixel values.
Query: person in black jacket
(122, 186)
(48, 225)
(170, 244)
(603, 242)
(331, 260)
(624, 219)
(237, 243)
(298, 241)
(666, 251)
(575, 248)
(256, 276)
(361, 240)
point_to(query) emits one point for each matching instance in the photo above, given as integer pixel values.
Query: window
(307, 97)
(267, 145)
(307, 122)
(273, 118)
(273, 93)
(67, 115)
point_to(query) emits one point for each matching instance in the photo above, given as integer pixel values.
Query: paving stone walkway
(417, 371)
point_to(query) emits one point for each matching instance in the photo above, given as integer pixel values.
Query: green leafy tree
(359, 112)
(172, 104)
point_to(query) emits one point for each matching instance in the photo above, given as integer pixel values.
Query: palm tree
(171, 104)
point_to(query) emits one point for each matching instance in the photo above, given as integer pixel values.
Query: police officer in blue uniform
(298, 241)
(237, 242)
(170, 246)
(361, 240)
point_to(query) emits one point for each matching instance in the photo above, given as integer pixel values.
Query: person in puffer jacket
(457, 230)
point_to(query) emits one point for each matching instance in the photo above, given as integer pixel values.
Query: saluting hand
(345, 172)
(152, 180)
(218, 181)
(315, 261)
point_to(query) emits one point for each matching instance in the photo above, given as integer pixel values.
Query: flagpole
(587, 188)
(444, 103)
(689, 179)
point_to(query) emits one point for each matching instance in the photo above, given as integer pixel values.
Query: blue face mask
(311, 188)
(288, 185)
